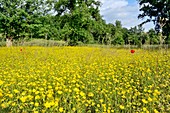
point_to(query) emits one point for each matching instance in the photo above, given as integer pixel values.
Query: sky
(126, 11)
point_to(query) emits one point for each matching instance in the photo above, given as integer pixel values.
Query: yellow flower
(144, 109)
(101, 100)
(97, 110)
(150, 99)
(93, 103)
(82, 93)
(50, 96)
(1, 95)
(31, 103)
(124, 96)
(59, 92)
(1, 82)
(148, 70)
(74, 109)
(36, 112)
(149, 91)
(10, 95)
(56, 102)
(23, 99)
(3, 105)
(37, 92)
(13, 104)
(98, 105)
(144, 101)
(50, 87)
(76, 89)
(30, 97)
(90, 94)
(108, 111)
(112, 111)
(37, 97)
(156, 111)
(47, 104)
(122, 107)
(36, 104)
(157, 92)
(16, 91)
(61, 109)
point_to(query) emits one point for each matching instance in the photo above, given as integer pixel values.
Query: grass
(83, 80)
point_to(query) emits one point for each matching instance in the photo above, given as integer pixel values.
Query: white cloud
(122, 10)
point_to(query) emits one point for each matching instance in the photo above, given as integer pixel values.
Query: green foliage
(155, 10)
(158, 11)
(2, 44)
(137, 36)
(118, 36)
(76, 22)
(153, 38)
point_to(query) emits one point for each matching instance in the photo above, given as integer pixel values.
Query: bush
(2, 44)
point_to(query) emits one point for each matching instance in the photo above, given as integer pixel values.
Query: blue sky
(126, 11)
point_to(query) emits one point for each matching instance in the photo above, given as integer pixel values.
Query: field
(84, 80)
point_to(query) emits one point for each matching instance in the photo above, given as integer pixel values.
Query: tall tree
(158, 11)
(8, 16)
(77, 18)
(25, 18)
(137, 36)
(118, 36)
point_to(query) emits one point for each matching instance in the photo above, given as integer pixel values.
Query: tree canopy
(73, 21)
(157, 11)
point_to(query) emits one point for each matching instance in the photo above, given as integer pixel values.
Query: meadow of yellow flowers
(83, 80)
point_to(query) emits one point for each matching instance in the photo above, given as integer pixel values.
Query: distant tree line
(73, 21)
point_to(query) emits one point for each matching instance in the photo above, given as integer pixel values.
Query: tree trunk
(160, 36)
(103, 40)
(9, 41)
(46, 36)
(129, 43)
(31, 36)
(160, 39)
(46, 39)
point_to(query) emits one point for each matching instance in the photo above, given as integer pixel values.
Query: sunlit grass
(83, 79)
